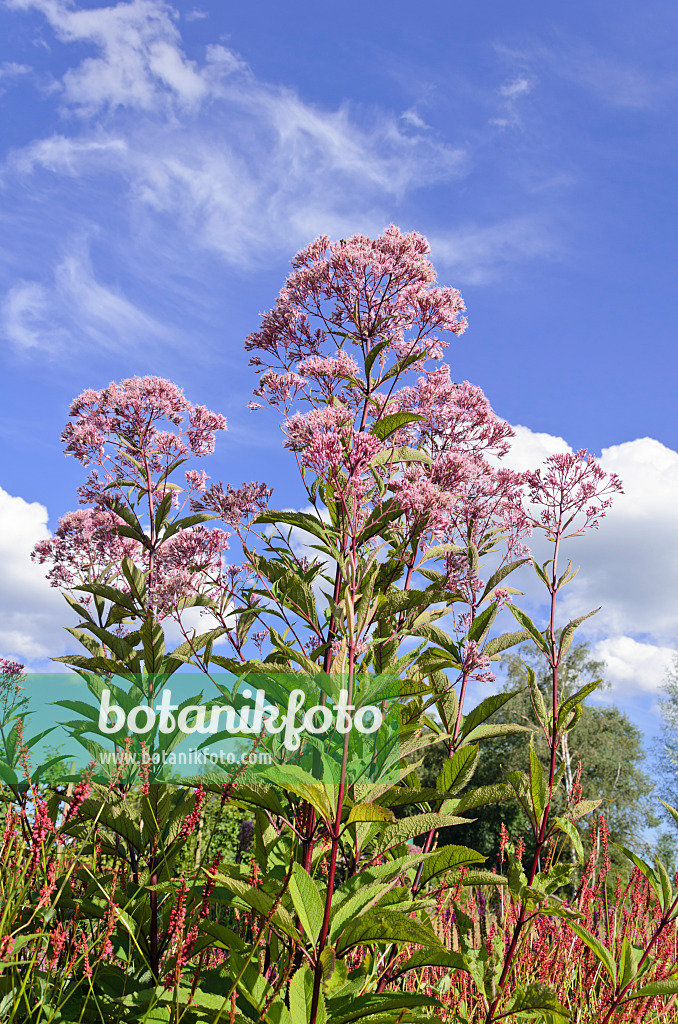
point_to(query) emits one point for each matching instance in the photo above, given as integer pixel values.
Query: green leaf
(484, 710)
(576, 699)
(458, 770)
(393, 455)
(260, 902)
(496, 644)
(482, 623)
(664, 987)
(672, 811)
(597, 947)
(369, 812)
(379, 926)
(409, 828)
(528, 625)
(153, 641)
(667, 888)
(573, 835)
(307, 901)
(536, 996)
(537, 785)
(387, 425)
(301, 996)
(644, 869)
(371, 356)
(501, 573)
(495, 793)
(448, 858)
(432, 958)
(118, 597)
(537, 700)
(569, 631)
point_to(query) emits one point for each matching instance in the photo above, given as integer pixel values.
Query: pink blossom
(120, 423)
(455, 416)
(572, 484)
(370, 290)
(234, 506)
(85, 548)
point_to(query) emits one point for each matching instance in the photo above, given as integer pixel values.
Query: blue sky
(161, 164)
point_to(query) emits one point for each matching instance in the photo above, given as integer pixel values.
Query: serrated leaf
(458, 770)
(369, 812)
(448, 858)
(307, 901)
(536, 996)
(567, 635)
(528, 625)
(380, 926)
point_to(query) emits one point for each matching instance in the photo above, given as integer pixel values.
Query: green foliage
(605, 741)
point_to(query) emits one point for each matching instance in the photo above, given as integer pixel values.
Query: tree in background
(666, 754)
(605, 742)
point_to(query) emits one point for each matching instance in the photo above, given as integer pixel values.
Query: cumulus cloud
(31, 612)
(629, 567)
(633, 667)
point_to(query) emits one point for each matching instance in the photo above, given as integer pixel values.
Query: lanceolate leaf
(537, 997)
(380, 926)
(432, 958)
(576, 699)
(387, 425)
(485, 709)
(569, 631)
(458, 770)
(418, 825)
(594, 944)
(528, 625)
(308, 902)
(448, 858)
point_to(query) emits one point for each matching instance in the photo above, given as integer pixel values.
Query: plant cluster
(384, 596)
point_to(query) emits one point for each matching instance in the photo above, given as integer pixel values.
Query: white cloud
(31, 612)
(62, 155)
(510, 93)
(412, 118)
(519, 86)
(74, 309)
(237, 166)
(632, 667)
(24, 313)
(10, 69)
(140, 63)
(478, 252)
(615, 82)
(630, 565)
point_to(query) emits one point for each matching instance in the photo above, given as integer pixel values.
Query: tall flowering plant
(382, 597)
(406, 508)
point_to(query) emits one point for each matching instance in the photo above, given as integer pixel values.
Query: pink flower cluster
(235, 506)
(126, 415)
(571, 485)
(370, 291)
(85, 548)
(455, 416)
(189, 563)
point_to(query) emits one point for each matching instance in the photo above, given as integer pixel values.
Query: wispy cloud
(510, 94)
(74, 309)
(246, 169)
(479, 252)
